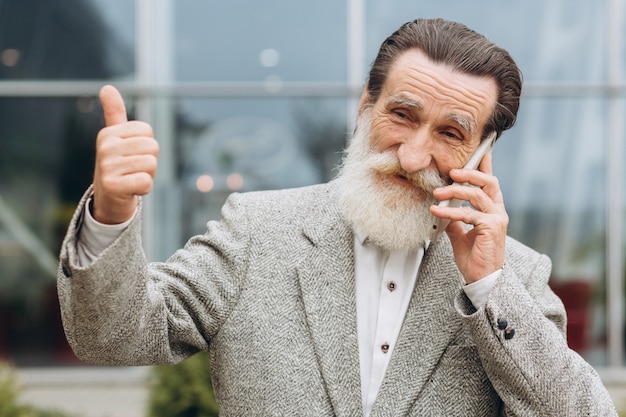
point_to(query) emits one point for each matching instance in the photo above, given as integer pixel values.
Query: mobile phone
(484, 148)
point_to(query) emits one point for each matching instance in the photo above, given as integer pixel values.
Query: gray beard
(390, 215)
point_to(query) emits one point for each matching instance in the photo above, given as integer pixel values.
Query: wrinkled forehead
(417, 81)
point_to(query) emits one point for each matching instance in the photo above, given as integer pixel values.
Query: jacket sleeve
(121, 310)
(520, 335)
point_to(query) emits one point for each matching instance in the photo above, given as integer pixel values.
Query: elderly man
(336, 299)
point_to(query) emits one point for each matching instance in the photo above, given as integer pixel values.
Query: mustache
(425, 179)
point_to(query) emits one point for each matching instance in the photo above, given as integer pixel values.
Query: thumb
(113, 106)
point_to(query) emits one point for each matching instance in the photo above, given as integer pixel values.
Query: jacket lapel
(327, 284)
(429, 325)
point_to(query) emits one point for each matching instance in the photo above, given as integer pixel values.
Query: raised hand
(126, 161)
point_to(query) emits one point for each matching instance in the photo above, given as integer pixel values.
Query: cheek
(450, 159)
(385, 135)
(458, 159)
(443, 153)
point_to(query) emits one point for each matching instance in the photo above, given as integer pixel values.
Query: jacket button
(503, 324)
(509, 333)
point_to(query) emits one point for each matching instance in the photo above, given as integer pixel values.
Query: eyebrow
(405, 101)
(466, 123)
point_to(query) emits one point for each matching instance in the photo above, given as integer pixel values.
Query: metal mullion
(615, 186)
(356, 54)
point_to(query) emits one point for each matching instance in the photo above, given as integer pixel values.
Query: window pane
(71, 39)
(226, 145)
(248, 40)
(560, 40)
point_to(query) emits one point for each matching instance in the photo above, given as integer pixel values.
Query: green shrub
(9, 392)
(182, 390)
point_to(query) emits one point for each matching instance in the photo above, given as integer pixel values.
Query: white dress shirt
(384, 285)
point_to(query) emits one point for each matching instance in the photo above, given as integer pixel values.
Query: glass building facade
(246, 95)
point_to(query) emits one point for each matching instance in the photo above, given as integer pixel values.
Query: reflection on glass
(234, 181)
(204, 183)
(227, 145)
(559, 40)
(10, 57)
(72, 39)
(288, 41)
(269, 57)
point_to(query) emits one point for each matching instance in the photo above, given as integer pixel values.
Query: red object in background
(576, 296)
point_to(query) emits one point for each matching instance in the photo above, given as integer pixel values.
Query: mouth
(419, 184)
(403, 180)
(405, 183)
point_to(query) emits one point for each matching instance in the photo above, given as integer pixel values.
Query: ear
(365, 99)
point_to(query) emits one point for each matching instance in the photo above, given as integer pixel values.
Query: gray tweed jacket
(269, 292)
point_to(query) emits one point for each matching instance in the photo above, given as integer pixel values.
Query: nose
(415, 153)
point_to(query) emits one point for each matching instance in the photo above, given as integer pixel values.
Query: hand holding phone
(484, 148)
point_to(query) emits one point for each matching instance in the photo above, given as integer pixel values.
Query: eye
(401, 114)
(452, 134)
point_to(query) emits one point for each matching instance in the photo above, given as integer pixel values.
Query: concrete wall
(123, 392)
(87, 392)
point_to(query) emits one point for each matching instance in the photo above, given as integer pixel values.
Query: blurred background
(246, 95)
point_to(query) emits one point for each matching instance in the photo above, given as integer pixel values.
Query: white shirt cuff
(95, 237)
(478, 291)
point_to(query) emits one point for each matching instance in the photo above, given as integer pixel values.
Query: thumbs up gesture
(126, 161)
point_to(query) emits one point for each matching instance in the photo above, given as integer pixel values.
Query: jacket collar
(328, 290)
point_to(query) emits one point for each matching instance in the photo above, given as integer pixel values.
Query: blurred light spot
(10, 57)
(273, 84)
(85, 104)
(269, 57)
(234, 181)
(204, 183)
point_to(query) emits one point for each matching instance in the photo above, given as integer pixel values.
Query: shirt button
(391, 286)
(385, 347)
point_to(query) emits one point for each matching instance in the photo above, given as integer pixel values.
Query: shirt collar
(362, 239)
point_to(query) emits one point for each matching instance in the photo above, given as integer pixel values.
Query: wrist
(470, 279)
(122, 214)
